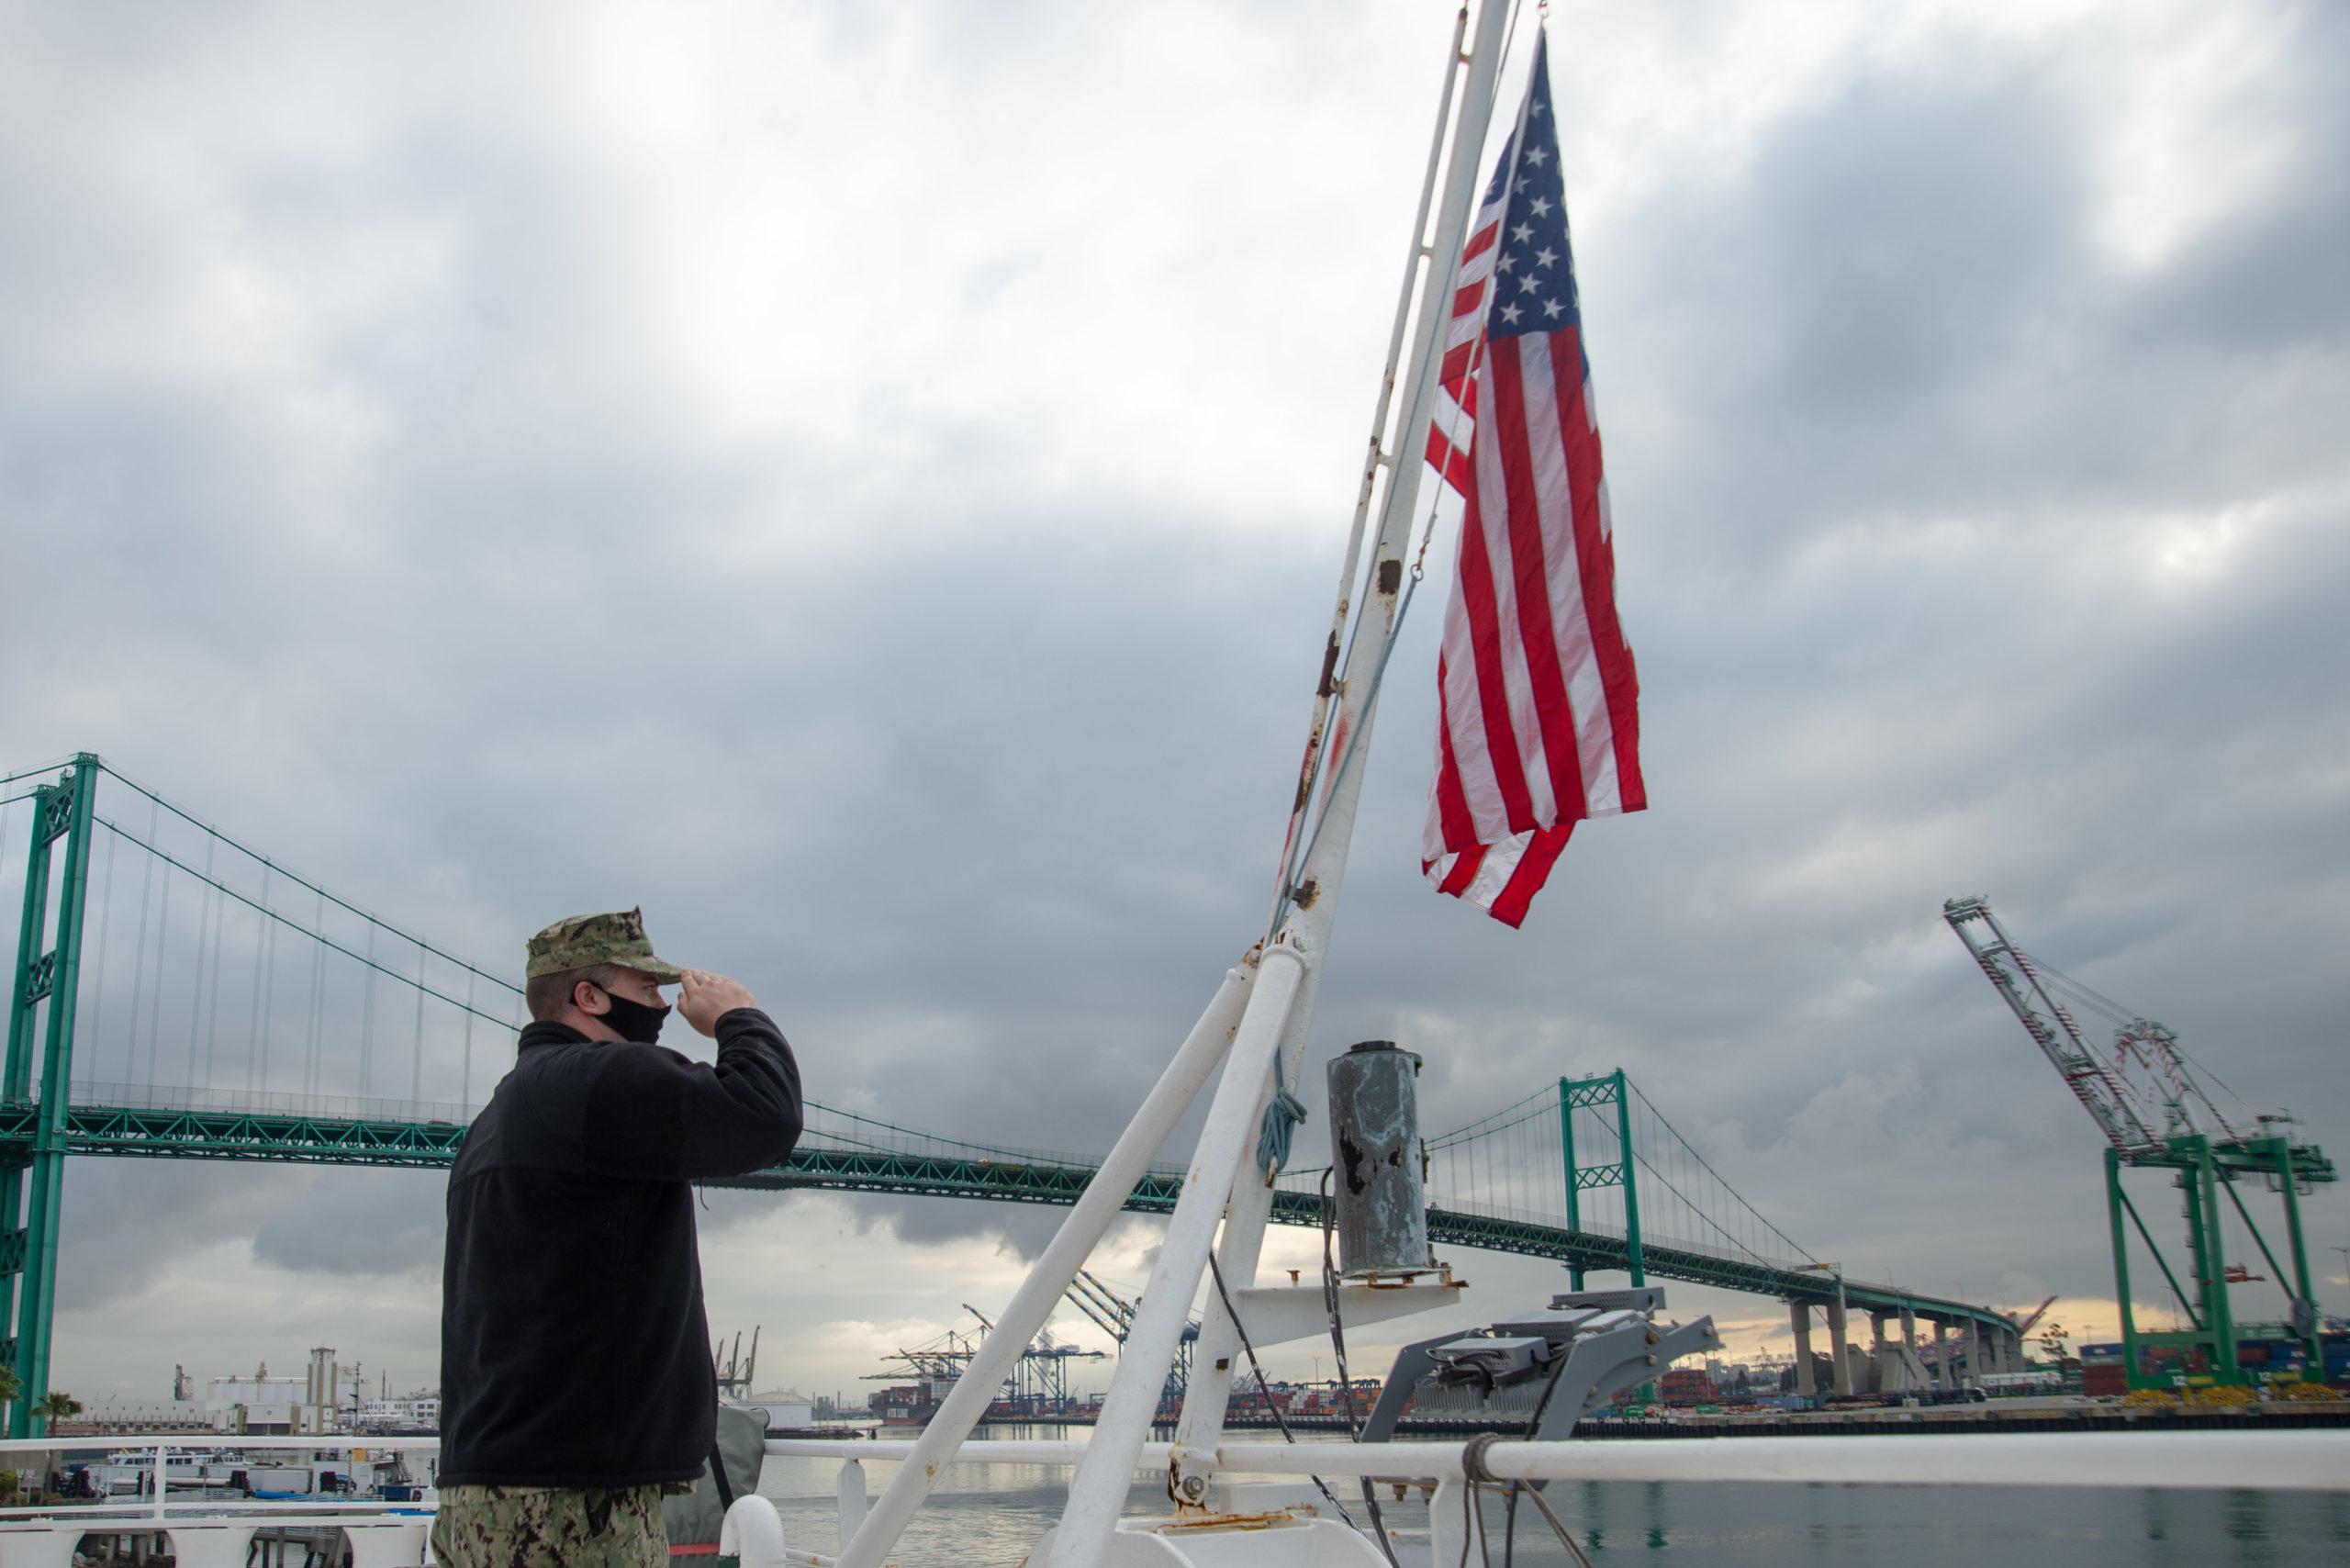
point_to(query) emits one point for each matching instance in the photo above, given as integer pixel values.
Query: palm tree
(53, 1407)
(9, 1387)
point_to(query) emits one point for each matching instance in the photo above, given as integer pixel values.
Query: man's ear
(602, 1004)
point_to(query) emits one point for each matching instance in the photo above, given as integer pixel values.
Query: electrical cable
(1533, 1433)
(1266, 1389)
(1565, 1539)
(1346, 1379)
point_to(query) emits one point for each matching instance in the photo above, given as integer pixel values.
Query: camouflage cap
(585, 939)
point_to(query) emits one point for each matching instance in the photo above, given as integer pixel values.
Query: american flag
(1538, 721)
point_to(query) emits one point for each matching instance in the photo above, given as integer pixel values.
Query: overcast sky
(866, 484)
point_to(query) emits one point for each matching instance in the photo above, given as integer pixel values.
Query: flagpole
(1374, 459)
(1278, 1015)
(1270, 1027)
(1315, 895)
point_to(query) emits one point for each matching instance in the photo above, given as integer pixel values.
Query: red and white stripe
(1539, 701)
(1454, 422)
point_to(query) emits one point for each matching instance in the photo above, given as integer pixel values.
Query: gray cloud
(358, 1221)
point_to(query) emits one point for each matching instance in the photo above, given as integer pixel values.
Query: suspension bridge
(176, 994)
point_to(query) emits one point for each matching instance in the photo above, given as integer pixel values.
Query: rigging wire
(2096, 1001)
(1350, 569)
(1266, 1389)
(2199, 1066)
(1509, 1494)
(2123, 1017)
(1346, 1379)
(1412, 444)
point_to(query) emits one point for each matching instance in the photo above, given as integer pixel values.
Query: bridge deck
(287, 1137)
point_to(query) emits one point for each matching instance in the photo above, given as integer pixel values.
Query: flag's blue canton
(1534, 276)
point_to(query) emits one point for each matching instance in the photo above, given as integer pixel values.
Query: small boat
(329, 1475)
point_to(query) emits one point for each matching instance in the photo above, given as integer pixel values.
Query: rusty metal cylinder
(1377, 1177)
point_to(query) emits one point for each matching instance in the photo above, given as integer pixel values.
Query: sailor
(576, 1371)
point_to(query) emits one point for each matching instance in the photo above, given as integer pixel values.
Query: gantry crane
(735, 1373)
(1114, 1316)
(1040, 1386)
(2154, 1114)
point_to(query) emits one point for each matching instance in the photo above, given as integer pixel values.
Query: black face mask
(637, 1024)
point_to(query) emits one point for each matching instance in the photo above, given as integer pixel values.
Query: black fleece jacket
(574, 1348)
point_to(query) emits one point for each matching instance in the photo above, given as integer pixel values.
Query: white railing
(2275, 1462)
(156, 1448)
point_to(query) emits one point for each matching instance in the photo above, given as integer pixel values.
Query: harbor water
(983, 1515)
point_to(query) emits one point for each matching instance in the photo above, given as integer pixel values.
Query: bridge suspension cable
(1511, 1162)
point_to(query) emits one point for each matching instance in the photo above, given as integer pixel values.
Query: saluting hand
(705, 998)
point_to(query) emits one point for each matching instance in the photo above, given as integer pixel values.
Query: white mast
(1280, 1013)
(1263, 1007)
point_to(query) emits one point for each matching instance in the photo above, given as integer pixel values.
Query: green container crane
(2154, 1114)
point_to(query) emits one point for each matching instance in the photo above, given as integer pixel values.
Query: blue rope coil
(1282, 1118)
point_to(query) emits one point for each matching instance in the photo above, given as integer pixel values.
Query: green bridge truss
(320, 1141)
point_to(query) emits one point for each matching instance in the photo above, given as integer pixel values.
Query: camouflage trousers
(550, 1527)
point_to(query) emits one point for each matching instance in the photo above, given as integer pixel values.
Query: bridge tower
(41, 1004)
(1595, 1093)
